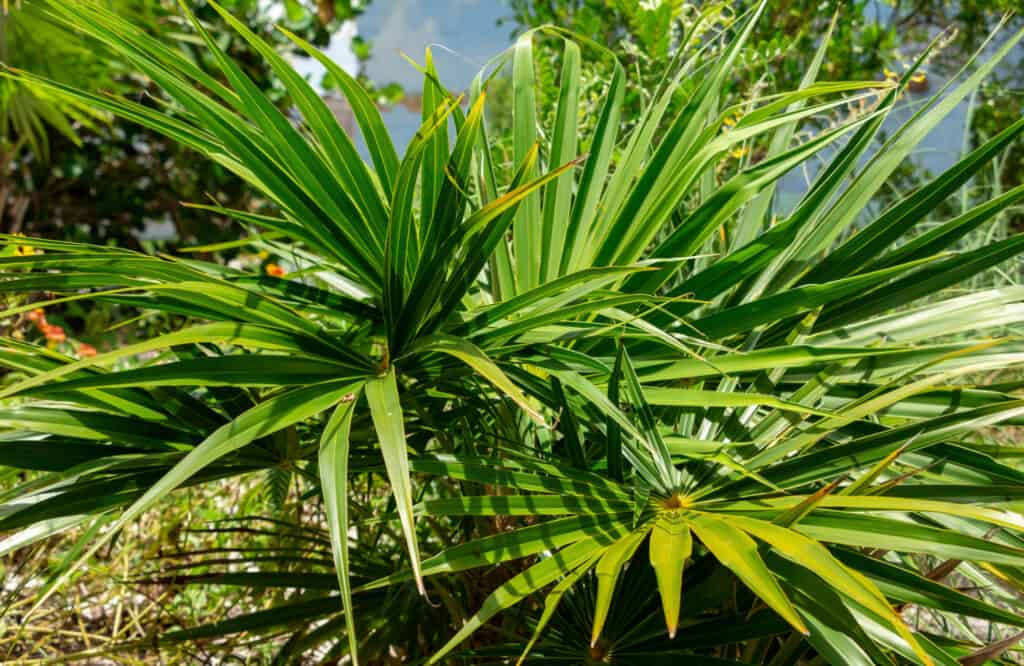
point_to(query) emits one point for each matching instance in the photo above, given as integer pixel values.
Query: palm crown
(609, 342)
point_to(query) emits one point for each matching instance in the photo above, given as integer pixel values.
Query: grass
(104, 605)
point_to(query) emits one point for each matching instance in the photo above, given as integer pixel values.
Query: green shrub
(600, 362)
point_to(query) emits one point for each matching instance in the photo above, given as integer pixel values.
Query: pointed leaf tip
(608, 569)
(386, 411)
(670, 546)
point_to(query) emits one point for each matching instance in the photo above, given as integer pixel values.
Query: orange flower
(55, 334)
(275, 270)
(36, 316)
(85, 350)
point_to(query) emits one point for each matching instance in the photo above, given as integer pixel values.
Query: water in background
(464, 35)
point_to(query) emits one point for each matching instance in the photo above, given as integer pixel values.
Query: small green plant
(711, 435)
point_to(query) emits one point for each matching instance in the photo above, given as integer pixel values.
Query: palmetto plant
(609, 356)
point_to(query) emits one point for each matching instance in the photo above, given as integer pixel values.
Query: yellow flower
(262, 254)
(739, 153)
(23, 250)
(919, 78)
(889, 74)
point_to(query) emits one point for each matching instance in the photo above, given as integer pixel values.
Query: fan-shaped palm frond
(647, 364)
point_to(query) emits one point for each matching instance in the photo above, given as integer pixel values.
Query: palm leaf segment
(775, 409)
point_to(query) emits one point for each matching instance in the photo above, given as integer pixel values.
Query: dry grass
(102, 607)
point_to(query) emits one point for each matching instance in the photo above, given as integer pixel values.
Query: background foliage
(112, 181)
(517, 386)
